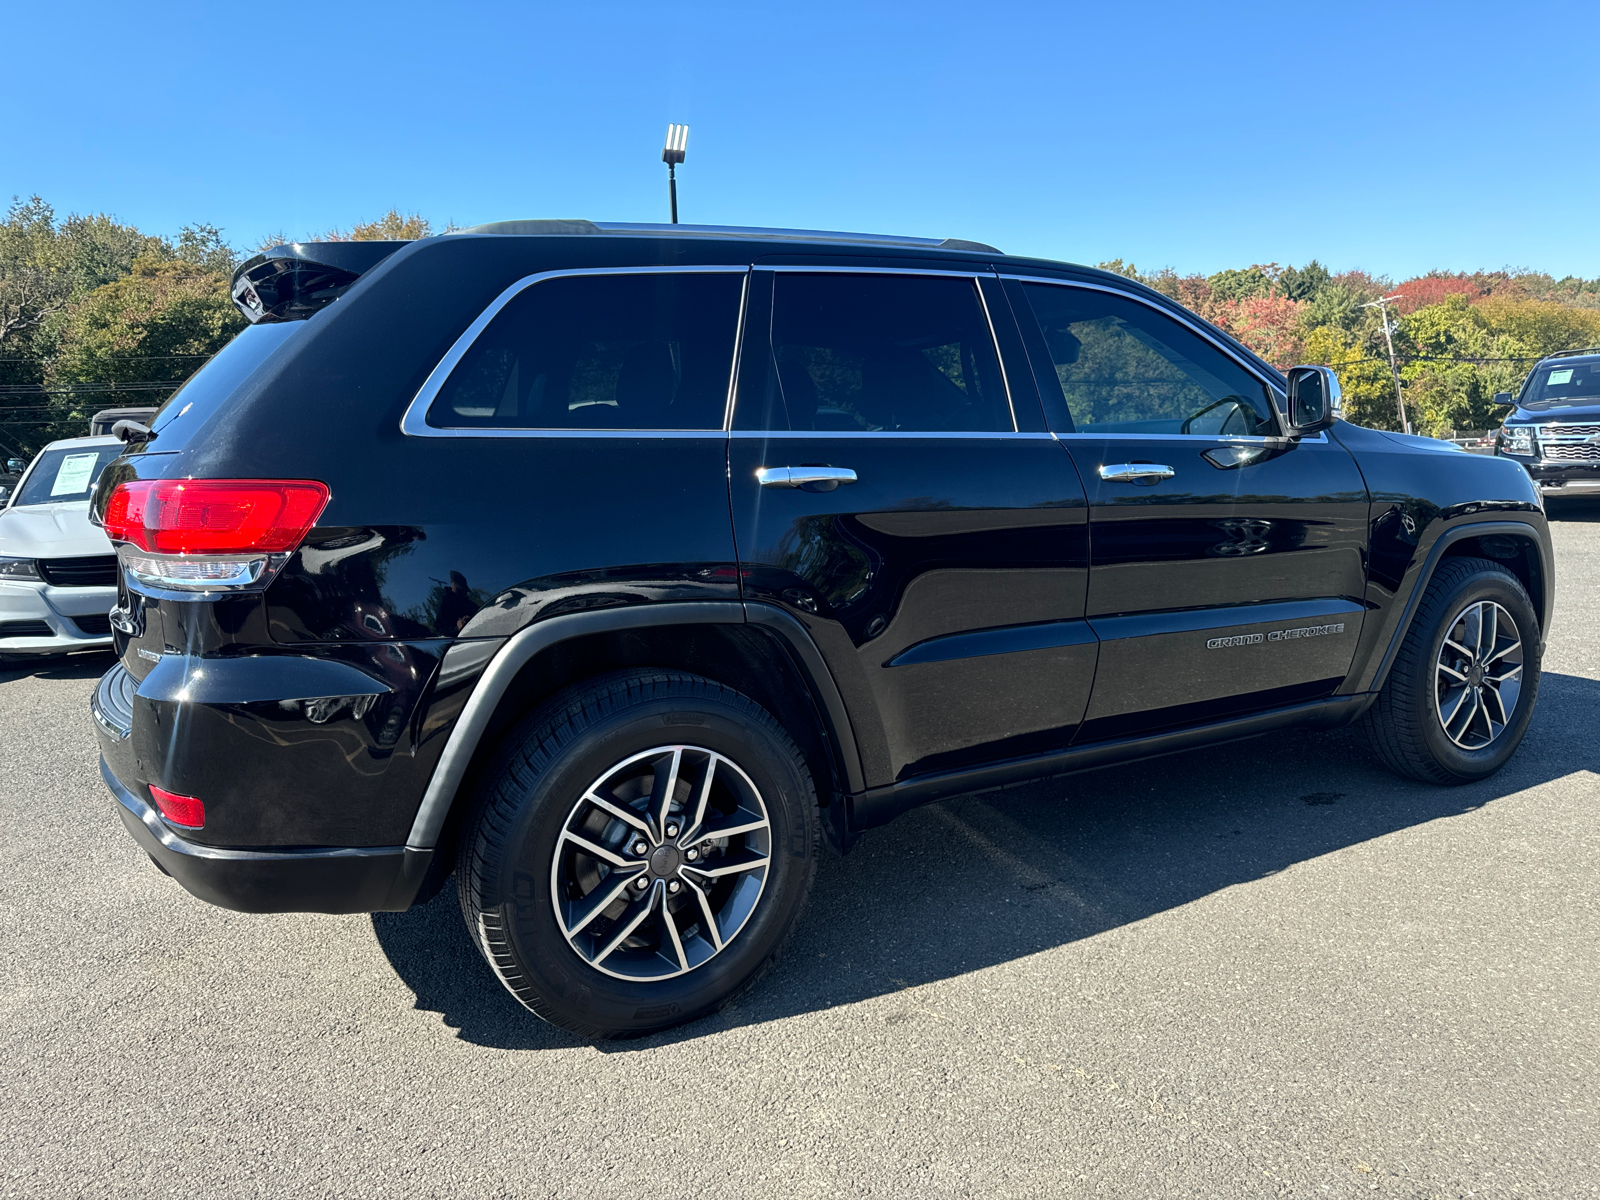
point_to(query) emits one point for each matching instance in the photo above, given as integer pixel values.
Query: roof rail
(1574, 353)
(547, 228)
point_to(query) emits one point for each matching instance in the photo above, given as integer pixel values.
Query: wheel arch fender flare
(1544, 602)
(519, 649)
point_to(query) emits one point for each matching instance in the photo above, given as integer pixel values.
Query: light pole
(672, 155)
(1382, 305)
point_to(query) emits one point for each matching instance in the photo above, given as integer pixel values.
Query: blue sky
(1389, 136)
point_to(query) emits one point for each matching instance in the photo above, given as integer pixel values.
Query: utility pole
(1382, 305)
(677, 146)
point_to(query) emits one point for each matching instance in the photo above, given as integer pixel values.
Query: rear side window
(1125, 368)
(882, 354)
(644, 351)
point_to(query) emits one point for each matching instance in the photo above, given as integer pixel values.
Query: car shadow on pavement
(980, 880)
(88, 664)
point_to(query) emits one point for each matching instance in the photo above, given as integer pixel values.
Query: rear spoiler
(289, 283)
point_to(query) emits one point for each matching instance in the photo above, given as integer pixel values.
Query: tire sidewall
(1502, 588)
(519, 883)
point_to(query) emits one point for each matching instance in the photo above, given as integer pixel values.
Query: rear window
(206, 390)
(64, 475)
(1559, 385)
(645, 351)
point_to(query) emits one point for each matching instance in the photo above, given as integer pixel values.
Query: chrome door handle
(1135, 472)
(799, 476)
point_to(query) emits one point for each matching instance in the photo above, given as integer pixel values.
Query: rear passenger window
(644, 351)
(881, 353)
(1125, 368)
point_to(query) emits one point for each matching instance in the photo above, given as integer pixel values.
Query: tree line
(95, 314)
(1458, 338)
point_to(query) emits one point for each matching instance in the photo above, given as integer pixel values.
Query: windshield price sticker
(74, 474)
(1564, 376)
(1277, 635)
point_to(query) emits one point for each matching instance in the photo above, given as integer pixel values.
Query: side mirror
(1504, 400)
(1314, 400)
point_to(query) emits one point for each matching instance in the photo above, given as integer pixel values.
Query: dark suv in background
(1553, 428)
(612, 567)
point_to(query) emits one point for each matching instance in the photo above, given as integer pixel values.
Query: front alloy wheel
(1479, 675)
(1463, 685)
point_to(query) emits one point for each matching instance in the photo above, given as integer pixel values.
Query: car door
(944, 578)
(1227, 564)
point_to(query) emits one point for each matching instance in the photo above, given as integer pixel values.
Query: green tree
(157, 324)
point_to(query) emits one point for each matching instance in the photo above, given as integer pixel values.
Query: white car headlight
(18, 568)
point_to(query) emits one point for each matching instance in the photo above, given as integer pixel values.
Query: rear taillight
(206, 534)
(179, 810)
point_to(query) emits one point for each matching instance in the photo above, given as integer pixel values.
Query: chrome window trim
(882, 433)
(829, 269)
(994, 340)
(913, 272)
(414, 422)
(1226, 438)
(738, 352)
(1273, 389)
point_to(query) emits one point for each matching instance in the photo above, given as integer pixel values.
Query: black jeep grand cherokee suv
(611, 567)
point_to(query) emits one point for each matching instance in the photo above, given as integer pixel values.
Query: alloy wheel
(661, 863)
(1479, 675)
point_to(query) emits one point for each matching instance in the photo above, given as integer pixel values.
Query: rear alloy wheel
(661, 863)
(619, 881)
(1462, 689)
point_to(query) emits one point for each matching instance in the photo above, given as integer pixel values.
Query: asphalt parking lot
(1266, 969)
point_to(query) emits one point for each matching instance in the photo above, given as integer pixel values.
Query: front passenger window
(1123, 367)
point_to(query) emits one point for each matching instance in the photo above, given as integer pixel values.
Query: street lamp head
(677, 144)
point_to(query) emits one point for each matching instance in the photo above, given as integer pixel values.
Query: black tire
(509, 873)
(1405, 725)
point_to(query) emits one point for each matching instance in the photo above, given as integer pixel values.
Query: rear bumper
(317, 879)
(54, 608)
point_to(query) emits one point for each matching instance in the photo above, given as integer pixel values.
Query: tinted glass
(882, 353)
(65, 474)
(210, 387)
(600, 352)
(1125, 368)
(1560, 385)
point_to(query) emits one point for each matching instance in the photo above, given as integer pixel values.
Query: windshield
(1557, 386)
(65, 475)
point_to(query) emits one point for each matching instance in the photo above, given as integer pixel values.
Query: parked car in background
(742, 539)
(105, 420)
(58, 573)
(1553, 428)
(10, 475)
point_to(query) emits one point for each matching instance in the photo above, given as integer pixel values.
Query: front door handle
(800, 476)
(1135, 472)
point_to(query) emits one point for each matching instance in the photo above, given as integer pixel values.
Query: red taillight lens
(214, 516)
(180, 810)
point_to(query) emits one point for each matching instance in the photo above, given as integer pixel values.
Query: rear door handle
(800, 476)
(1135, 472)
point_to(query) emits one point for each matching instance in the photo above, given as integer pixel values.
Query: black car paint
(980, 561)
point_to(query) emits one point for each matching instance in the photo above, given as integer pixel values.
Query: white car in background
(58, 573)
